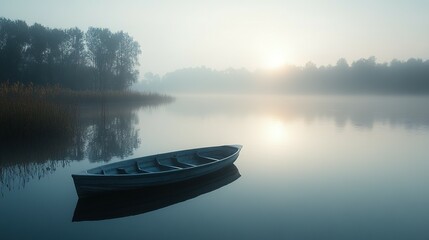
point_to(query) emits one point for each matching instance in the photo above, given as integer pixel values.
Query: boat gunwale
(87, 174)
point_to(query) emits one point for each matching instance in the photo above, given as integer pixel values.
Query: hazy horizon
(365, 76)
(255, 35)
(122, 119)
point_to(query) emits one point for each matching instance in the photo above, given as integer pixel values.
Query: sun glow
(275, 131)
(274, 61)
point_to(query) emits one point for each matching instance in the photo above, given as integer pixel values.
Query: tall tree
(14, 38)
(115, 56)
(126, 60)
(38, 43)
(76, 73)
(73, 47)
(102, 47)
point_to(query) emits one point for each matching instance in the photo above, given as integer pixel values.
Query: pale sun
(274, 61)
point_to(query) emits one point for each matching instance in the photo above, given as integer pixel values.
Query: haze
(254, 35)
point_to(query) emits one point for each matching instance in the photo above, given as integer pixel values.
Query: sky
(245, 34)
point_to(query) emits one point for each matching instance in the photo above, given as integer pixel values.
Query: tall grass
(29, 112)
(109, 97)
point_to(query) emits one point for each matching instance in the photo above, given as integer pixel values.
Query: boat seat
(140, 170)
(165, 165)
(205, 157)
(176, 160)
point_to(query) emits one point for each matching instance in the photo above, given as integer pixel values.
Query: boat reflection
(131, 203)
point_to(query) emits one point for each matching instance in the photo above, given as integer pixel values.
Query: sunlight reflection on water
(310, 167)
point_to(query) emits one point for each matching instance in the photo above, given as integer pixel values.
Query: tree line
(364, 76)
(97, 59)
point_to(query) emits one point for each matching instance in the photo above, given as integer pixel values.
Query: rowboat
(154, 170)
(141, 201)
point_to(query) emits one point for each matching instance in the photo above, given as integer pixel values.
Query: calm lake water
(310, 168)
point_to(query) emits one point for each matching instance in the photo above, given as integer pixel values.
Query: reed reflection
(131, 203)
(101, 133)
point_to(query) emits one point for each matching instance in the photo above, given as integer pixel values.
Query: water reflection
(150, 199)
(16, 176)
(101, 133)
(358, 111)
(313, 167)
(111, 135)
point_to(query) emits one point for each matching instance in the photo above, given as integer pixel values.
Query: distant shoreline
(364, 76)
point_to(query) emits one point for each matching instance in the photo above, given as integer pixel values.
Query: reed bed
(109, 97)
(29, 113)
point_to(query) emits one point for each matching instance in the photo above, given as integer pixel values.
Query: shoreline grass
(31, 113)
(27, 115)
(67, 96)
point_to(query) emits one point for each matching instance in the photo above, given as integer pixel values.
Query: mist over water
(310, 166)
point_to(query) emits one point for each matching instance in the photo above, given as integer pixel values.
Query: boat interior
(165, 162)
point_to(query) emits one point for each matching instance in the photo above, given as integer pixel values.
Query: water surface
(311, 168)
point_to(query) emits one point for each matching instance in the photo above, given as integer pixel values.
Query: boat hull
(141, 201)
(93, 184)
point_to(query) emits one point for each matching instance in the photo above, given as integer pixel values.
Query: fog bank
(364, 76)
